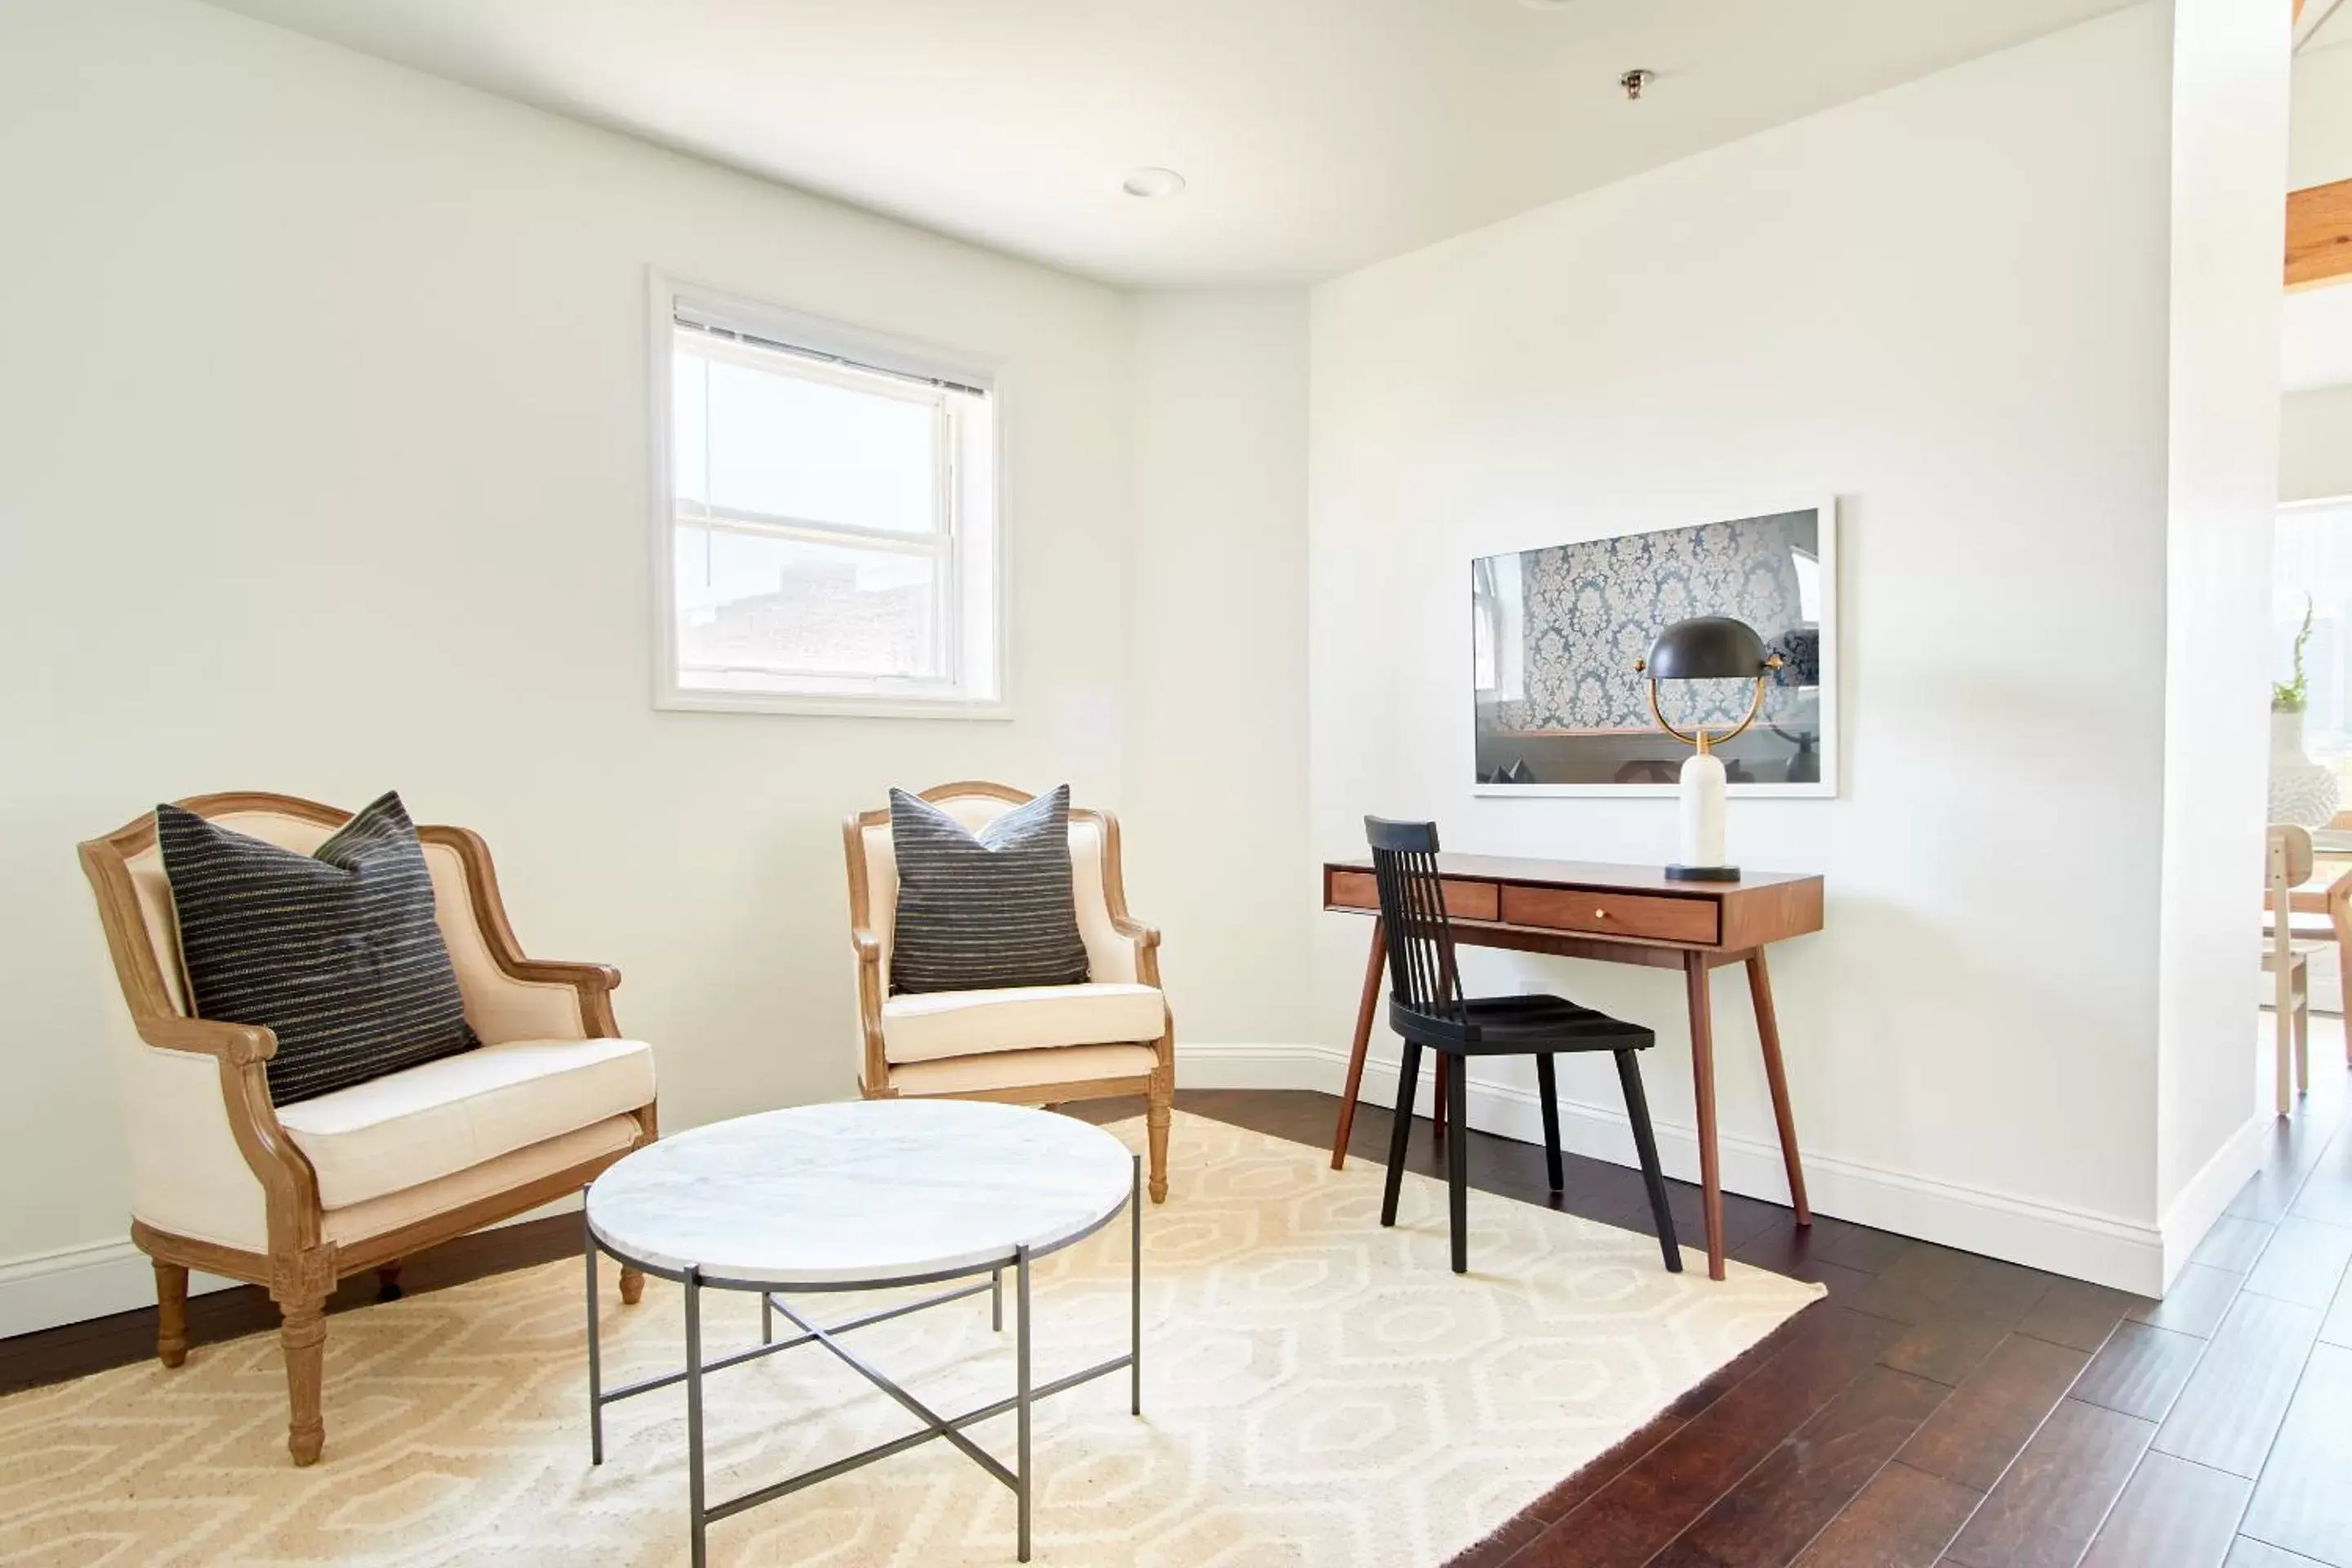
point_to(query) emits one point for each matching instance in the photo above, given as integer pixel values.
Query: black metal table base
(702, 1514)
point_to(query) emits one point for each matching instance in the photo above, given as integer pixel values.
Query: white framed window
(824, 517)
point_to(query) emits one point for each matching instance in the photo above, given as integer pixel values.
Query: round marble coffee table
(859, 1196)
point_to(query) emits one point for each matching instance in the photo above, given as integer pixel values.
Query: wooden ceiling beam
(2319, 233)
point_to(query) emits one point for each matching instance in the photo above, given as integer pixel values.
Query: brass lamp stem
(1697, 736)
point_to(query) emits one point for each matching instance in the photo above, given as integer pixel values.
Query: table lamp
(1705, 648)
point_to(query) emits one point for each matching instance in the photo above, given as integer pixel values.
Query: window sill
(843, 706)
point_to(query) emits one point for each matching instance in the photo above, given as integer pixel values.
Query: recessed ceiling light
(1547, 4)
(1151, 182)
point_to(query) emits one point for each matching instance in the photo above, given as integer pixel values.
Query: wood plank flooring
(1938, 1408)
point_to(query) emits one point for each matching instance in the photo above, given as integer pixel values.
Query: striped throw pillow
(980, 911)
(337, 953)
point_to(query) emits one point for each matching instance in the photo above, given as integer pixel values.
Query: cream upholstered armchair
(296, 1198)
(1032, 1043)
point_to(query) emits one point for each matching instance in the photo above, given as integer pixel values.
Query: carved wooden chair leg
(387, 1282)
(171, 1314)
(1161, 1102)
(302, 1334)
(633, 1286)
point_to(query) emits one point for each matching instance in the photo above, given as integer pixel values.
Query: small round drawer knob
(1600, 914)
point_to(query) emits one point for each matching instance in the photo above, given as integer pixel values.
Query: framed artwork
(1560, 709)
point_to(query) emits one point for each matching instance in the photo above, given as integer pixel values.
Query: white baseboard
(74, 1284)
(2081, 1244)
(2209, 1192)
(1219, 1066)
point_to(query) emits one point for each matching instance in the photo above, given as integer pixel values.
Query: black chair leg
(1548, 1087)
(1457, 1161)
(1646, 1143)
(1401, 1135)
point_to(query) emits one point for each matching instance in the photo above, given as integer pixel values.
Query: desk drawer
(1464, 901)
(1610, 914)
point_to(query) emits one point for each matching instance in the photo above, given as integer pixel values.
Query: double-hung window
(828, 535)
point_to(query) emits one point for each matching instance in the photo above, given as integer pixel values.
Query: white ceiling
(1317, 135)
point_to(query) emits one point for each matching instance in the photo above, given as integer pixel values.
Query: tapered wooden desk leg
(1373, 962)
(1710, 1173)
(1767, 1033)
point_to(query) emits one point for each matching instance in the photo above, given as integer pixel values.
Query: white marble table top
(871, 1192)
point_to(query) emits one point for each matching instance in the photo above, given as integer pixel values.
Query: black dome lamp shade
(1707, 647)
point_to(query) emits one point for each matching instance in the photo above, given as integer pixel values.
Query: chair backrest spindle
(1422, 970)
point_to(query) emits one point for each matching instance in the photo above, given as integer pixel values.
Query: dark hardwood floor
(1943, 1408)
(1937, 1408)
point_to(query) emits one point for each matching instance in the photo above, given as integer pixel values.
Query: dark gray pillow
(980, 911)
(337, 953)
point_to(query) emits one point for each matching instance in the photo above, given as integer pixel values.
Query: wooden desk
(1617, 914)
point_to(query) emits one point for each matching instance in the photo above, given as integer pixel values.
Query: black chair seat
(1515, 1024)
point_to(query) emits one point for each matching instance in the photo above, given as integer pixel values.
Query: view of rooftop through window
(831, 524)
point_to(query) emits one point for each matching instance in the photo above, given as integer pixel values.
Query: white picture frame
(1829, 743)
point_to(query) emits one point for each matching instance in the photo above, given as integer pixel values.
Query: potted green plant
(2291, 695)
(2301, 792)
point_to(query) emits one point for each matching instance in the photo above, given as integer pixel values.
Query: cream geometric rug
(1318, 1391)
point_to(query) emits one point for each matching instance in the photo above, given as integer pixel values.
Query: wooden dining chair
(2287, 961)
(1426, 1007)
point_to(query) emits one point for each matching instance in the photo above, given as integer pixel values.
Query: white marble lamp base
(1702, 823)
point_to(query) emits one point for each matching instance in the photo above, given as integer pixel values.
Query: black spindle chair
(1427, 1008)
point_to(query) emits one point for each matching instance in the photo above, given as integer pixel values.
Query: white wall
(2229, 79)
(323, 440)
(1217, 723)
(2320, 150)
(2315, 443)
(1948, 304)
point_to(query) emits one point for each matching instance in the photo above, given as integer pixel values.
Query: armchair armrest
(873, 1071)
(189, 1145)
(1144, 940)
(557, 971)
(236, 1044)
(510, 996)
(593, 984)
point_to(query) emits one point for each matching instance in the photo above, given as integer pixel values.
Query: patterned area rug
(1317, 1392)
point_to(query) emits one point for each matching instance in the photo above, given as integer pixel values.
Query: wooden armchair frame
(1158, 1087)
(301, 1268)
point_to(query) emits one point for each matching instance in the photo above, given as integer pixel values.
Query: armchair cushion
(930, 1025)
(999, 1072)
(425, 1123)
(338, 952)
(991, 908)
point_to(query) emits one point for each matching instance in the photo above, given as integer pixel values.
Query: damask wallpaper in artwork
(1589, 610)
